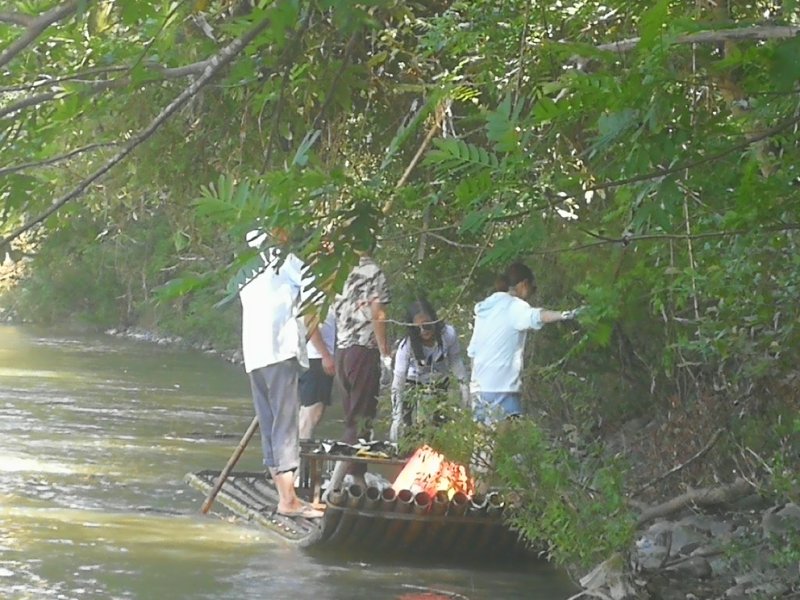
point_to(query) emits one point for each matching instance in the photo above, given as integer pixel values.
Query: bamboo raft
(375, 521)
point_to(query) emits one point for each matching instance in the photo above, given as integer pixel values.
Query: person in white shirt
(425, 359)
(316, 383)
(274, 350)
(502, 322)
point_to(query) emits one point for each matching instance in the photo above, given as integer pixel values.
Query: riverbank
(135, 333)
(732, 550)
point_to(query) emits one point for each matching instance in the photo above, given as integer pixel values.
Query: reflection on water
(9, 463)
(96, 436)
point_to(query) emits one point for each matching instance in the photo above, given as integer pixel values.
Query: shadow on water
(96, 437)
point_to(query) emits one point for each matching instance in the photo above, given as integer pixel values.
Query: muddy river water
(96, 436)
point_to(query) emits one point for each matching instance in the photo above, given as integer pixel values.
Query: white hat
(255, 238)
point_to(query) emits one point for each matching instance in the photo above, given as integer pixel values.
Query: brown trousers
(358, 370)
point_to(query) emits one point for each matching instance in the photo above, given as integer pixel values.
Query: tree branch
(196, 68)
(28, 102)
(101, 85)
(20, 19)
(215, 64)
(447, 241)
(45, 82)
(681, 466)
(628, 239)
(348, 51)
(55, 159)
(663, 172)
(437, 124)
(289, 56)
(35, 28)
(699, 497)
(756, 32)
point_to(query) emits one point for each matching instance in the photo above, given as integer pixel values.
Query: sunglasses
(427, 327)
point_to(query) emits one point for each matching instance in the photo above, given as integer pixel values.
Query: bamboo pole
(229, 467)
(437, 124)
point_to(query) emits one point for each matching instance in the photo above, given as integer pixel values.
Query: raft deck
(375, 521)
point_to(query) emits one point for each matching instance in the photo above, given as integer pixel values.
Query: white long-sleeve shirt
(502, 322)
(440, 360)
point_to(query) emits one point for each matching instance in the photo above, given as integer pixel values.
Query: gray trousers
(277, 405)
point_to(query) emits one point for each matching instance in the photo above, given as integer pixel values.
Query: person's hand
(386, 370)
(328, 365)
(567, 315)
(466, 398)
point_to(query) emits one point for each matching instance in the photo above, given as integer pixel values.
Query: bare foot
(301, 510)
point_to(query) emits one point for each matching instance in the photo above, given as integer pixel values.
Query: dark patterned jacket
(365, 284)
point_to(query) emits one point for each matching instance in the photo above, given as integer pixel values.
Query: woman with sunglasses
(425, 359)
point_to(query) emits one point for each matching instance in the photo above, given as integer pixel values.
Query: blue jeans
(491, 407)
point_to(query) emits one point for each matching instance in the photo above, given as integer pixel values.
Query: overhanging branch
(288, 59)
(28, 102)
(35, 28)
(45, 82)
(55, 159)
(756, 32)
(100, 85)
(82, 76)
(16, 19)
(663, 172)
(655, 237)
(215, 64)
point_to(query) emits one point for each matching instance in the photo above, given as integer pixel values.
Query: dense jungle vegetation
(641, 156)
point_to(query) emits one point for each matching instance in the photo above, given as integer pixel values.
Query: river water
(96, 436)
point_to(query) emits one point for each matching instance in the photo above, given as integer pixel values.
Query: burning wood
(429, 471)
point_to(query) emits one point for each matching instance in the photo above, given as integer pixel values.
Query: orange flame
(429, 471)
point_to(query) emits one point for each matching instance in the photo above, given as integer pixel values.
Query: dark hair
(517, 272)
(422, 306)
(501, 283)
(365, 244)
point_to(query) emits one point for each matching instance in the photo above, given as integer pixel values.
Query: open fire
(429, 471)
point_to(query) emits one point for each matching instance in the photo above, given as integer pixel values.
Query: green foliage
(558, 505)
(457, 157)
(442, 424)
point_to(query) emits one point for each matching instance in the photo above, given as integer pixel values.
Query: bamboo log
(336, 497)
(372, 498)
(458, 504)
(405, 501)
(388, 500)
(494, 505)
(422, 503)
(337, 477)
(477, 506)
(440, 503)
(403, 504)
(355, 496)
